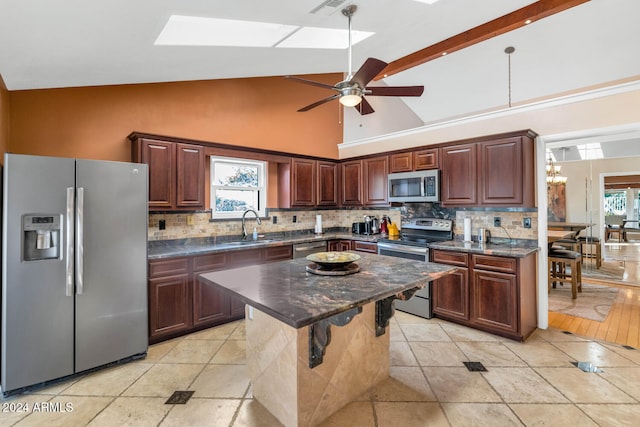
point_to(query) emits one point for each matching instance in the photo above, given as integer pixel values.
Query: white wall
(614, 106)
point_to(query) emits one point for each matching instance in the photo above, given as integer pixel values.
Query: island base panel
(278, 365)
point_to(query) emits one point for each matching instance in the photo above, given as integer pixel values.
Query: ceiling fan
(352, 90)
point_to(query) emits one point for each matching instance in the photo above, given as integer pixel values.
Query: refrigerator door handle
(80, 241)
(69, 255)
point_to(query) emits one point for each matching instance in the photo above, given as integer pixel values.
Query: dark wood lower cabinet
(342, 245)
(180, 303)
(339, 245)
(491, 293)
(451, 295)
(495, 301)
(169, 297)
(209, 304)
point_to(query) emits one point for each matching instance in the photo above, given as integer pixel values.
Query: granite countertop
(158, 249)
(287, 292)
(515, 249)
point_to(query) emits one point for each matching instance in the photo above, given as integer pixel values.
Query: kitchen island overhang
(295, 374)
(287, 292)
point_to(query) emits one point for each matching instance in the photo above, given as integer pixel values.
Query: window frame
(260, 190)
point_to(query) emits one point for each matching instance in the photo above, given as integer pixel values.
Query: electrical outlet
(162, 224)
(526, 222)
(274, 219)
(497, 222)
(189, 219)
(295, 218)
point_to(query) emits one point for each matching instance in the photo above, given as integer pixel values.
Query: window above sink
(237, 185)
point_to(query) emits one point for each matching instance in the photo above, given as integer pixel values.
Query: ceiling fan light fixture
(350, 100)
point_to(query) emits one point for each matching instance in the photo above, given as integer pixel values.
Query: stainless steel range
(412, 244)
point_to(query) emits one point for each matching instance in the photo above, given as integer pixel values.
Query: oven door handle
(403, 248)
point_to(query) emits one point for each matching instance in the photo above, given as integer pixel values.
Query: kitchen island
(302, 368)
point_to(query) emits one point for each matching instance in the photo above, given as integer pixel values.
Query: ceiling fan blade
(395, 90)
(310, 82)
(368, 71)
(364, 107)
(317, 103)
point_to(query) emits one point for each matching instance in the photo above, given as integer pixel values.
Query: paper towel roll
(467, 229)
(318, 223)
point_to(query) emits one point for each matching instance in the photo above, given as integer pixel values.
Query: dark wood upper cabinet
(409, 161)
(327, 181)
(303, 182)
(160, 157)
(307, 183)
(351, 183)
(375, 180)
(507, 173)
(491, 172)
(401, 162)
(459, 175)
(189, 176)
(176, 173)
(426, 159)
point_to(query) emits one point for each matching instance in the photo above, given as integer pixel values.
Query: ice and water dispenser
(41, 236)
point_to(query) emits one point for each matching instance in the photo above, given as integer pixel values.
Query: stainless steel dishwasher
(301, 250)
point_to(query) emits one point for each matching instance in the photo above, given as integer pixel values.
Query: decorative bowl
(333, 259)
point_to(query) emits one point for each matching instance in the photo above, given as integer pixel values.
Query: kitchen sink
(248, 242)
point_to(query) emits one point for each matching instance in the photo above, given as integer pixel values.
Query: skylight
(590, 151)
(198, 31)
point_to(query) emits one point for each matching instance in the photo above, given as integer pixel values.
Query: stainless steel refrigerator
(74, 266)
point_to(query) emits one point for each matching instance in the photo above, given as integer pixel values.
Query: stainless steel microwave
(418, 186)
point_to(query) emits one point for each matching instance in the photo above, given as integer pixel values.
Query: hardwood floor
(622, 325)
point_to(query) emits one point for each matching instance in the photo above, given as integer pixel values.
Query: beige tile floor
(530, 384)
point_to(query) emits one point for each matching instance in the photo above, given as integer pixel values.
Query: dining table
(575, 227)
(553, 235)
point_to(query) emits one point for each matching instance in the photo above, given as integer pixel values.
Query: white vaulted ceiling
(67, 43)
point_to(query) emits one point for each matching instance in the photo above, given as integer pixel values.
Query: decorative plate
(333, 259)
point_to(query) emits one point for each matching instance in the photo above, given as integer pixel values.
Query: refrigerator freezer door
(37, 316)
(111, 311)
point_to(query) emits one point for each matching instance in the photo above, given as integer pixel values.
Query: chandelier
(553, 173)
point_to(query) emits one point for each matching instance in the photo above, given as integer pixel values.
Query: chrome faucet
(244, 228)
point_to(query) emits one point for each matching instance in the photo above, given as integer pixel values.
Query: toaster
(359, 228)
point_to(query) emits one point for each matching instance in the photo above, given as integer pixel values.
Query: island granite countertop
(287, 292)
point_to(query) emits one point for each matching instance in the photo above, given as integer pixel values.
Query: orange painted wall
(93, 122)
(4, 120)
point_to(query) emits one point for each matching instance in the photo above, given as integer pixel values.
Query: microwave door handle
(423, 186)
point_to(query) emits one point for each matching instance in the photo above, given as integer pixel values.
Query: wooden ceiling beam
(512, 21)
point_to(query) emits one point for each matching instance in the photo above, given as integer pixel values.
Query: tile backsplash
(511, 224)
(193, 225)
